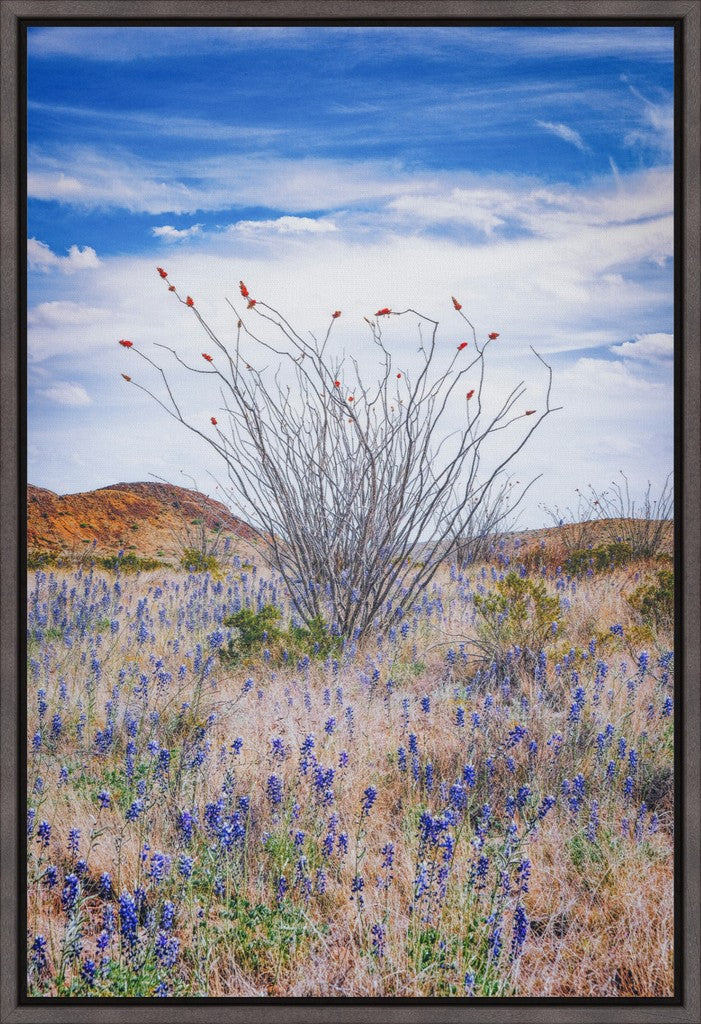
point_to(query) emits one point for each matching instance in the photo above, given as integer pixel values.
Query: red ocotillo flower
(337, 383)
(462, 345)
(399, 376)
(162, 272)
(244, 289)
(171, 288)
(336, 315)
(457, 304)
(125, 343)
(351, 398)
(493, 335)
(383, 312)
(207, 357)
(189, 301)
(125, 376)
(214, 421)
(470, 394)
(529, 412)
(251, 303)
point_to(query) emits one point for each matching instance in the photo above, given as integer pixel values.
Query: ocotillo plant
(357, 490)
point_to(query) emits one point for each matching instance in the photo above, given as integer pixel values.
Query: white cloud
(171, 234)
(649, 347)
(286, 226)
(65, 392)
(565, 133)
(65, 327)
(41, 257)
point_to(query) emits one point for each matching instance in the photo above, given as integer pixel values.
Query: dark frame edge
(688, 1009)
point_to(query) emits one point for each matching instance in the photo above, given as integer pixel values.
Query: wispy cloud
(564, 132)
(128, 44)
(65, 392)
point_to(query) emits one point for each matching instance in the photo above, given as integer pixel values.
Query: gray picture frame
(686, 1007)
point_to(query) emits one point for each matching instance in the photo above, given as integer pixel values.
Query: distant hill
(148, 519)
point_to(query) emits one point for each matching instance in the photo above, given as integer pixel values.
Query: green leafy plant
(601, 558)
(129, 563)
(516, 619)
(654, 601)
(195, 560)
(256, 630)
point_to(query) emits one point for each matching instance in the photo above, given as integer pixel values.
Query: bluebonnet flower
(617, 629)
(44, 833)
(87, 972)
(273, 790)
(469, 983)
(426, 704)
(168, 916)
(50, 876)
(186, 824)
(160, 866)
(667, 707)
(135, 810)
(103, 798)
(547, 803)
(469, 775)
(167, 948)
(185, 866)
(38, 956)
(378, 933)
(128, 920)
(281, 888)
(105, 885)
(330, 726)
(70, 893)
(520, 931)
(516, 735)
(357, 886)
(369, 798)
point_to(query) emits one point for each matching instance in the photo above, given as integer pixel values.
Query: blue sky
(526, 170)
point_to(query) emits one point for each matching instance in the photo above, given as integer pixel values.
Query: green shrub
(601, 558)
(258, 630)
(129, 563)
(197, 561)
(654, 601)
(518, 614)
(37, 559)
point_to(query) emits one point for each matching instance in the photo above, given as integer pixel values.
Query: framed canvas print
(350, 511)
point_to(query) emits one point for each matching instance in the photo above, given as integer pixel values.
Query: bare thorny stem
(357, 494)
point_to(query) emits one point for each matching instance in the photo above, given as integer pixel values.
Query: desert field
(476, 801)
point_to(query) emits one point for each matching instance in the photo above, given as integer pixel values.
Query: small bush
(197, 561)
(602, 558)
(520, 614)
(129, 563)
(258, 630)
(654, 601)
(37, 559)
